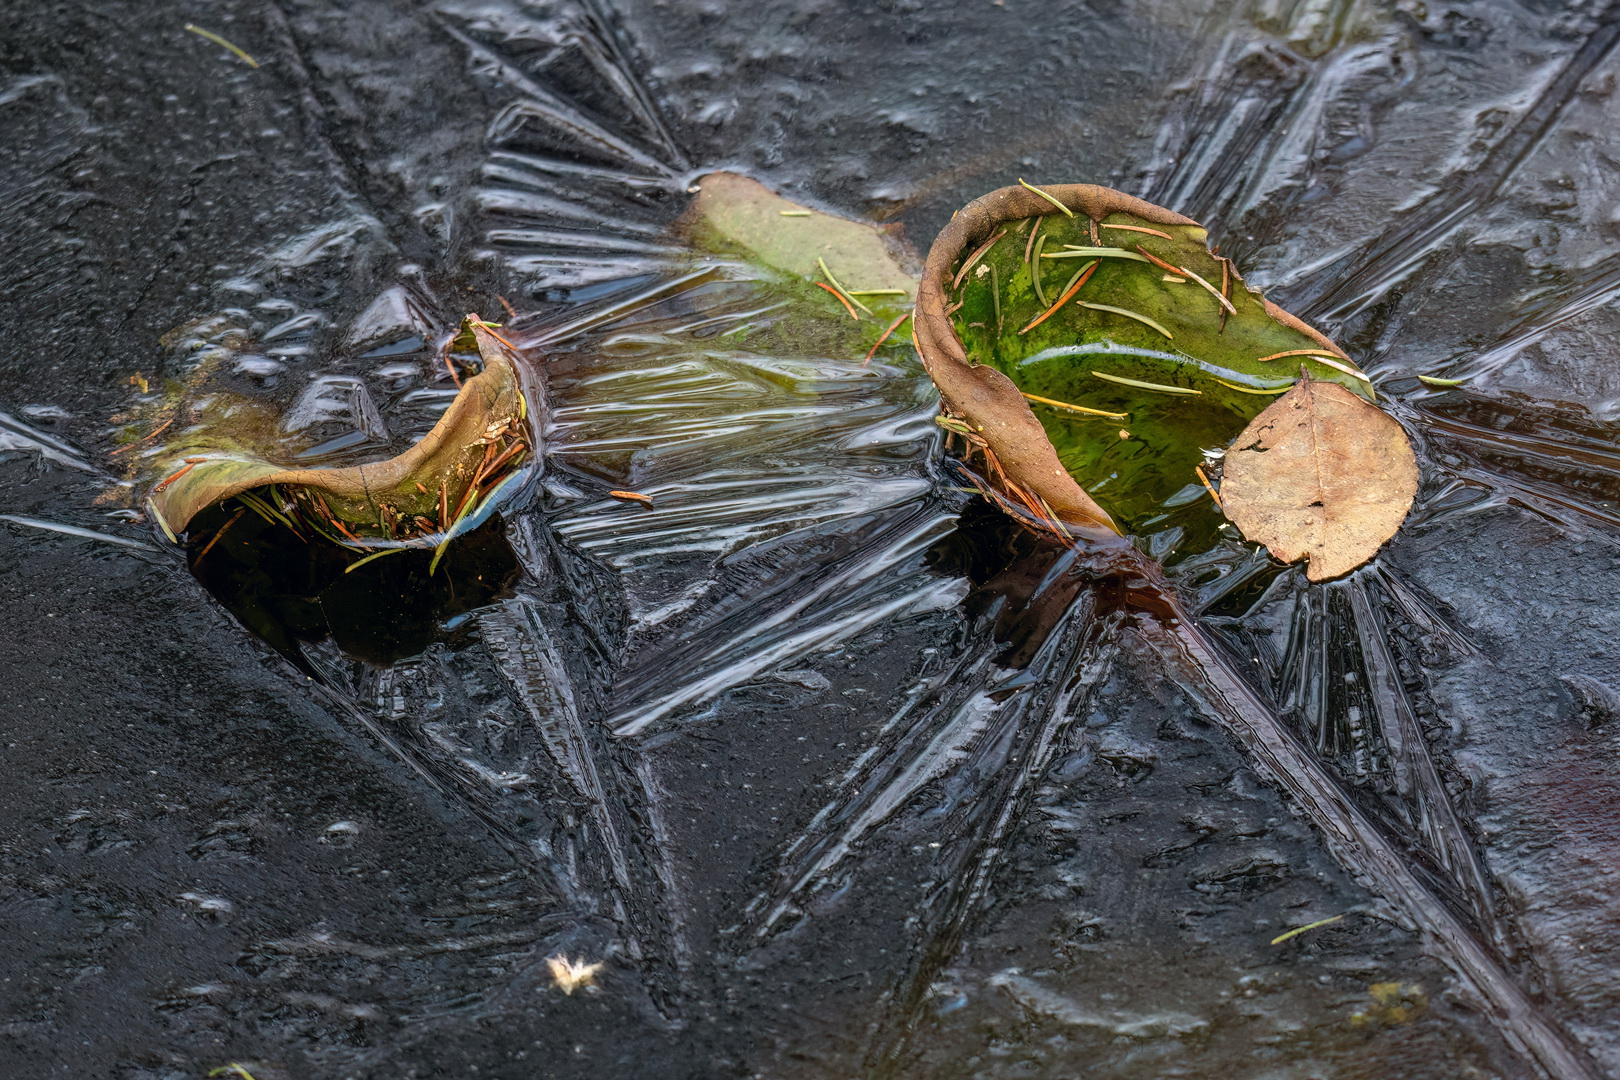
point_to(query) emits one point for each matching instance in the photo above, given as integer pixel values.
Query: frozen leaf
(1320, 475)
(737, 215)
(1087, 358)
(484, 446)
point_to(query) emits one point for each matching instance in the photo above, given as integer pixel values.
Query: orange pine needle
(1064, 299)
(632, 496)
(171, 479)
(847, 305)
(500, 339)
(154, 433)
(511, 313)
(451, 368)
(221, 532)
(1199, 469)
(885, 337)
(444, 507)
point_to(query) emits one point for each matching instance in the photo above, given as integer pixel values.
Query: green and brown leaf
(483, 447)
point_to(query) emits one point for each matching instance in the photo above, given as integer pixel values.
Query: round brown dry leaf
(1320, 475)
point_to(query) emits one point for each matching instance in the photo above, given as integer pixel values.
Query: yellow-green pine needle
(1270, 391)
(835, 283)
(1129, 314)
(878, 292)
(951, 423)
(1298, 930)
(1432, 380)
(995, 294)
(1035, 272)
(157, 516)
(233, 1067)
(374, 555)
(1056, 404)
(1140, 385)
(217, 40)
(1048, 198)
(1075, 251)
(794, 213)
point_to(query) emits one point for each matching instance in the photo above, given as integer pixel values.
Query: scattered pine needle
(1074, 287)
(1076, 251)
(1035, 230)
(500, 339)
(1140, 385)
(511, 312)
(1434, 380)
(973, 259)
(1298, 930)
(1049, 198)
(374, 555)
(839, 285)
(450, 367)
(1293, 352)
(1035, 271)
(794, 213)
(175, 476)
(233, 1067)
(1184, 272)
(885, 337)
(1140, 229)
(1269, 392)
(1172, 279)
(878, 292)
(1056, 404)
(223, 529)
(633, 496)
(1199, 469)
(157, 516)
(1129, 314)
(217, 40)
(154, 433)
(842, 299)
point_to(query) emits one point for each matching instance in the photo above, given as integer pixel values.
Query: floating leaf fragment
(1320, 475)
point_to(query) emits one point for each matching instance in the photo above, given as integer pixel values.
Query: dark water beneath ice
(835, 773)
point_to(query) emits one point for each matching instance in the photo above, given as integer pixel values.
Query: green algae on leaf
(485, 447)
(827, 265)
(1153, 328)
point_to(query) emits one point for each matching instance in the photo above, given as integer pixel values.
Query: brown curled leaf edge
(1009, 453)
(484, 450)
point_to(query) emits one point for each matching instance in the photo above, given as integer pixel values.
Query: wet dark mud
(832, 772)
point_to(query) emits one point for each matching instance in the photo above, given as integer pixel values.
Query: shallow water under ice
(835, 772)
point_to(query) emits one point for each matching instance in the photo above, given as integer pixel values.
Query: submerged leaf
(487, 444)
(734, 214)
(1042, 330)
(1320, 475)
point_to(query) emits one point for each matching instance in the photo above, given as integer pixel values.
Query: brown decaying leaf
(1320, 475)
(448, 457)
